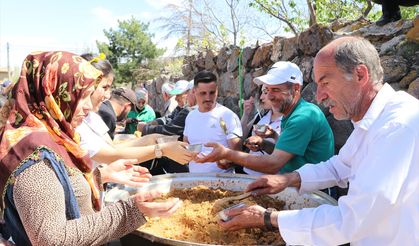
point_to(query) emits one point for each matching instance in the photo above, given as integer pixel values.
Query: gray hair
(350, 54)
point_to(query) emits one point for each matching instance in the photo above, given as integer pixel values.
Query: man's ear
(296, 87)
(362, 74)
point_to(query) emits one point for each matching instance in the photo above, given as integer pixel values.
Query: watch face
(158, 152)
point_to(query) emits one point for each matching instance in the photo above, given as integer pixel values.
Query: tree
(298, 14)
(130, 46)
(288, 12)
(180, 23)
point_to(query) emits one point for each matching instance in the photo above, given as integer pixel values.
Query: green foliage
(292, 12)
(129, 47)
(329, 10)
(409, 12)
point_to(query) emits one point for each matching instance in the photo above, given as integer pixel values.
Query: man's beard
(286, 103)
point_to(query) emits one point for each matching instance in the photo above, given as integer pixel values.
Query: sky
(71, 25)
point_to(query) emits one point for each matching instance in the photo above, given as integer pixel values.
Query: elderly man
(180, 94)
(169, 100)
(211, 122)
(176, 125)
(144, 112)
(380, 160)
(306, 136)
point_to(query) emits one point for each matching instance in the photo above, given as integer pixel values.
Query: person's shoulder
(401, 108)
(308, 111)
(224, 110)
(193, 113)
(105, 107)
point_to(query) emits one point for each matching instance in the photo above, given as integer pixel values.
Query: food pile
(196, 222)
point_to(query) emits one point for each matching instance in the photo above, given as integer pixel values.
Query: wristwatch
(267, 218)
(157, 151)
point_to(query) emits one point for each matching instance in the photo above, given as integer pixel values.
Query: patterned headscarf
(40, 110)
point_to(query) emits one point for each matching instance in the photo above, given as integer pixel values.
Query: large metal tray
(235, 182)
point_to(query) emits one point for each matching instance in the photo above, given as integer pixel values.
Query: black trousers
(391, 7)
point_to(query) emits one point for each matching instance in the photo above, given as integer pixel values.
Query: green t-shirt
(146, 115)
(305, 133)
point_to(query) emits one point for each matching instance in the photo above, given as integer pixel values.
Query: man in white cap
(169, 100)
(176, 125)
(306, 136)
(179, 92)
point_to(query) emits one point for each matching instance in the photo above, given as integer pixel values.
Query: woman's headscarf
(40, 110)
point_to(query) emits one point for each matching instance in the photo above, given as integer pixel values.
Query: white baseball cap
(181, 87)
(280, 73)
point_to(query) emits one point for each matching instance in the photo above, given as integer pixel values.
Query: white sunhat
(181, 87)
(280, 73)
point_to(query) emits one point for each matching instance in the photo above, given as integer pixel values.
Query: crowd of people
(59, 147)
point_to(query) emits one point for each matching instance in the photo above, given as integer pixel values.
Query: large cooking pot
(234, 182)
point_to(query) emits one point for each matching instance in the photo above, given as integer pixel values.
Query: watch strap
(267, 219)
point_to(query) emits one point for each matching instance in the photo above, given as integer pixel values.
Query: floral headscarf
(40, 110)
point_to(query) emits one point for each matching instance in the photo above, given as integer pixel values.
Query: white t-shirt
(201, 128)
(276, 125)
(92, 133)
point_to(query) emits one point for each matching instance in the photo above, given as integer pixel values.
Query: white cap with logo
(280, 73)
(181, 87)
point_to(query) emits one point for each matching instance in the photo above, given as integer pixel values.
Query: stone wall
(397, 43)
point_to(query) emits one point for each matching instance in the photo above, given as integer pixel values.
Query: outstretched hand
(268, 133)
(124, 171)
(146, 204)
(178, 152)
(218, 153)
(269, 184)
(246, 217)
(254, 143)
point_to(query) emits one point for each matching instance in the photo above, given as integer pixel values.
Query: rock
(209, 60)
(232, 103)
(413, 33)
(248, 53)
(233, 61)
(379, 34)
(258, 72)
(200, 61)
(249, 86)
(262, 56)
(290, 49)
(395, 68)
(306, 66)
(414, 88)
(222, 58)
(405, 82)
(408, 50)
(313, 39)
(390, 46)
(228, 84)
(339, 24)
(395, 86)
(342, 129)
(277, 45)
(309, 94)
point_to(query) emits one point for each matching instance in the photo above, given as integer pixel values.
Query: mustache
(328, 103)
